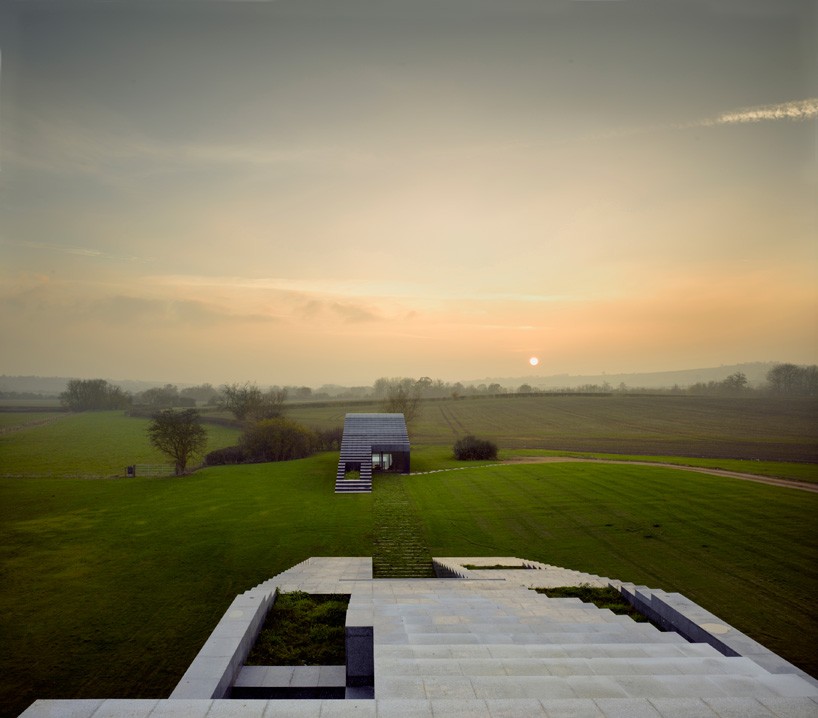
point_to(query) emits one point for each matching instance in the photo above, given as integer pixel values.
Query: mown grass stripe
(397, 547)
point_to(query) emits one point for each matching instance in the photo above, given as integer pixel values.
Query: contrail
(795, 110)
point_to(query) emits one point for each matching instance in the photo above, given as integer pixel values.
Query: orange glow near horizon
(388, 198)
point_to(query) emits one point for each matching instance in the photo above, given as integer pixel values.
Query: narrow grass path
(398, 549)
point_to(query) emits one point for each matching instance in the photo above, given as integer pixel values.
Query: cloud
(794, 111)
(32, 297)
(107, 146)
(137, 310)
(74, 250)
(797, 110)
(353, 313)
(359, 288)
(316, 309)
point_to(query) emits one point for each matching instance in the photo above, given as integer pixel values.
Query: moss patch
(302, 629)
(606, 597)
(495, 567)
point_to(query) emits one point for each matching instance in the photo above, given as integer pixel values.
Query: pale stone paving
(486, 646)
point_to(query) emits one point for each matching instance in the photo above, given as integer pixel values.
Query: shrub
(227, 455)
(470, 448)
(329, 439)
(277, 439)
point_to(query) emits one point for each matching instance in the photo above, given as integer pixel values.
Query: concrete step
(592, 687)
(597, 666)
(563, 637)
(500, 623)
(480, 621)
(550, 650)
(417, 572)
(350, 486)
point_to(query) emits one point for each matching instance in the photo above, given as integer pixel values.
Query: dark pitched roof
(365, 433)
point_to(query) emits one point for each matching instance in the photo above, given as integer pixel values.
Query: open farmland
(717, 427)
(90, 444)
(110, 586)
(16, 420)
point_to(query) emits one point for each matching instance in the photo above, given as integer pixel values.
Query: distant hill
(756, 373)
(45, 385)
(55, 385)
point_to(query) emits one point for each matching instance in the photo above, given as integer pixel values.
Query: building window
(381, 461)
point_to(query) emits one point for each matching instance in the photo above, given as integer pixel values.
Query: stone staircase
(483, 641)
(322, 574)
(361, 485)
(485, 646)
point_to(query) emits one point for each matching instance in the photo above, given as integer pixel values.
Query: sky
(331, 191)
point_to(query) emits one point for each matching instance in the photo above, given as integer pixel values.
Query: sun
(533, 361)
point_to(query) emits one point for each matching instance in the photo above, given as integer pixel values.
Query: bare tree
(793, 380)
(93, 395)
(202, 392)
(161, 397)
(402, 396)
(247, 401)
(735, 383)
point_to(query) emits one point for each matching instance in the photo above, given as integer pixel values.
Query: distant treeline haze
(84, 394)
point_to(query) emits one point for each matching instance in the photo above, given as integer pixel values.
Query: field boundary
(33, 424)
(786, 483)
(150, 470)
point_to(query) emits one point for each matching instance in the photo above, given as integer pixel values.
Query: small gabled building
(371, 443)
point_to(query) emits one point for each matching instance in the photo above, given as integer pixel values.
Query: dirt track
(802, 485)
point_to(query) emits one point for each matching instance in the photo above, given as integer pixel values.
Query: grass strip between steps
(601, 597)
(399, 550)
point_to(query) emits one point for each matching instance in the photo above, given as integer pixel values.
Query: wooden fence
(150, 470)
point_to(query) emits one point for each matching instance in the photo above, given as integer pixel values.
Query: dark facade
(374, 442)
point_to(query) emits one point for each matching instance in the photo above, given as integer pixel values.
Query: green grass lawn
(774, 469)
(94, 443)
(109, 587)
(428, 458)
(15, 420)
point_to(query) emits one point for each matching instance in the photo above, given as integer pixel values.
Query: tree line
(396, 394)
(180, 435)
(268, 436)
(241, 399)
